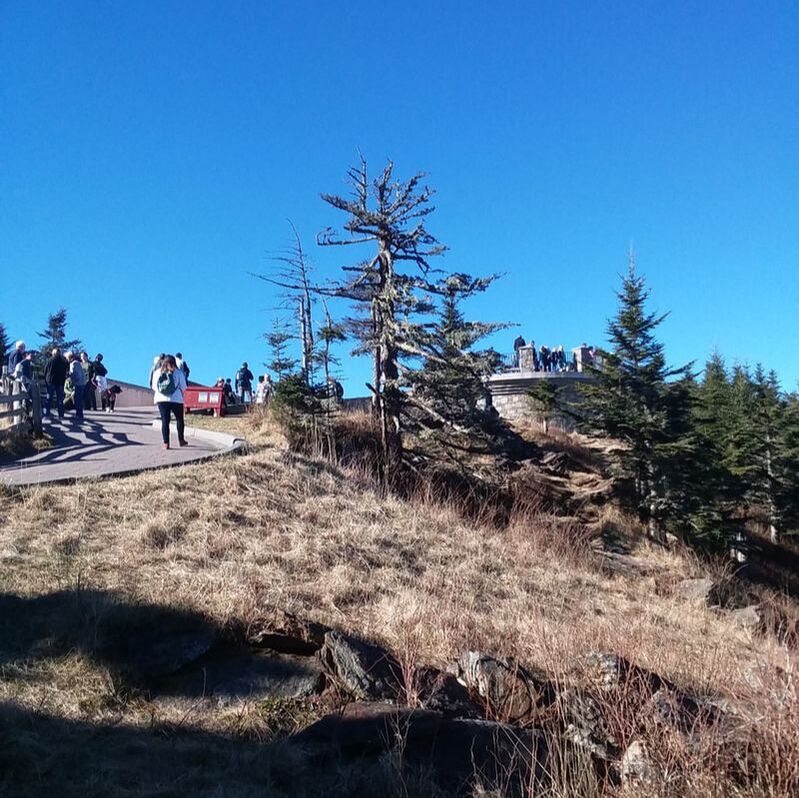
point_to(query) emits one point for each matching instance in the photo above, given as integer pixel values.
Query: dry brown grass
(274, 529)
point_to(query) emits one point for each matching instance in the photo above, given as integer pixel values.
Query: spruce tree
(630, 400)
(448, 400)
(788, 442)
(389, 215)
(281, 362)
(55, 335)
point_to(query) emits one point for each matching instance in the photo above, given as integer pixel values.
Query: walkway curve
(118, 443)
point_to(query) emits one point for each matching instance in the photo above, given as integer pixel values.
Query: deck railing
(21, 402)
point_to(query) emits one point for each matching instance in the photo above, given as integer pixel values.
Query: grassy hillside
(238, 538)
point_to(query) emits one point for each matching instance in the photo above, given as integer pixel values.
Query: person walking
(55, 375)
(244, 378)
(169, 382)
(77, 375)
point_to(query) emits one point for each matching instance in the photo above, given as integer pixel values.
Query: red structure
(201, 397)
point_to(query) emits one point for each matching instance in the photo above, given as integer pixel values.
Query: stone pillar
(526, 359)
(581, 356)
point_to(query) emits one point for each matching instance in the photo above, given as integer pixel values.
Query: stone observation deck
(509, 387)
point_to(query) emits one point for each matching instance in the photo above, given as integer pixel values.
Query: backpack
(166, 383)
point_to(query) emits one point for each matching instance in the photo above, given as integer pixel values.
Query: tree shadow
(137, 642)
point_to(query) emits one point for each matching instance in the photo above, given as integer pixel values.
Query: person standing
(244, 378)
(90, 391)
(24, 371)
(16, 356)
(183, 366)
(79, 380)
(55, 375)
(97, 374)
(169, 382)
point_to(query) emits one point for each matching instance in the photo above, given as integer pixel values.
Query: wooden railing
(22, 403)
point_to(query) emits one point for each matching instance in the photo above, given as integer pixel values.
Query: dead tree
(293, 275)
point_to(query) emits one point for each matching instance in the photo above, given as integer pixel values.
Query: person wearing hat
(244, 378)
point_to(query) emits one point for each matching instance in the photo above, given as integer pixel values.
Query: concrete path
(106, 443)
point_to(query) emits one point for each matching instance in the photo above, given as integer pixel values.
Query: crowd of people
(72, 380)
(551, 359)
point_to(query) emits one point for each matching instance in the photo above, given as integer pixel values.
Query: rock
(748, 617)
(284, 632)
(586, 725)
(511, 693)
(149, 641)
(683, 712)
(698, 591)
(610, 672)
(442, 692)
(557, 463)
(455, 755)
(364, 670)
(232, 672)
(636, 765)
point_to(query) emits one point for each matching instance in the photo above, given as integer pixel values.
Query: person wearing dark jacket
(16, 356)
(244, 378)
(55, 375)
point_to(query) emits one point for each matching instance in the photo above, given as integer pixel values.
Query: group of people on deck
(72, 381)
(551, 359)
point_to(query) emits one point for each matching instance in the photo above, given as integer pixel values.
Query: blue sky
(152, 153)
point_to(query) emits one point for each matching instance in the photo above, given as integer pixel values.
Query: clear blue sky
(152, 152)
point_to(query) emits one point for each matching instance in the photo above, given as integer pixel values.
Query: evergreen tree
(767, 468)
(717, 515)
(281, 363)
(389, 215)
(788, 442)
(5, 345)
(448, 394)
(545, 400)
(631, 400)
(55, 335)
(293, 274)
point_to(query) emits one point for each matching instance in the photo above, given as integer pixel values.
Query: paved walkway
(104, 443)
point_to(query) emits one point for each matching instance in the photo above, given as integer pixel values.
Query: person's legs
(48, 400)
(163, 409)
(91, 391)
(80, 390)
(177, 409)
(59, 400)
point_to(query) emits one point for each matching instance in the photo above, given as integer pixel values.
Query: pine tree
(55, 335)
(630, 400)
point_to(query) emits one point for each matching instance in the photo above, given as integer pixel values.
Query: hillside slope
(231, 542)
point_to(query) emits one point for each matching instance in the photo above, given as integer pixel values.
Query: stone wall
(509, 393)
